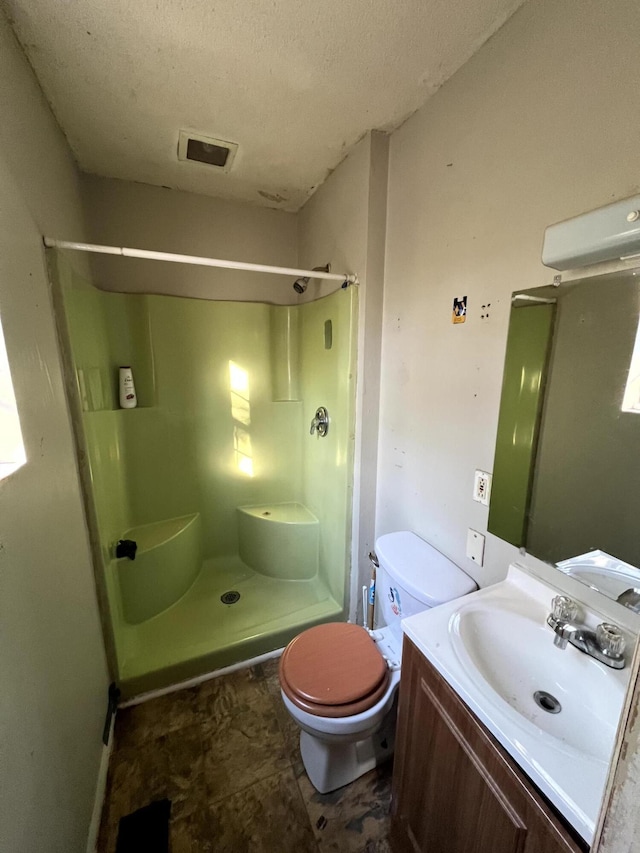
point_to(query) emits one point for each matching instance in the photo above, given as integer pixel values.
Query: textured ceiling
(295, 83)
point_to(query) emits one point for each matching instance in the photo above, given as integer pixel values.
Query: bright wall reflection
(524, 431)
(239, 393)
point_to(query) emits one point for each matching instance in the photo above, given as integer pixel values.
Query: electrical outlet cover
(475, 546)
(482, 487)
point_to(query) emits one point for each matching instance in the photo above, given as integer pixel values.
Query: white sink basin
(496, 651)
(515, 656)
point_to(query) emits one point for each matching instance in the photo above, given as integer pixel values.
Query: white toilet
(339, 681)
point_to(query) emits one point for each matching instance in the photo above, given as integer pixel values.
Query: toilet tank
(413, 576)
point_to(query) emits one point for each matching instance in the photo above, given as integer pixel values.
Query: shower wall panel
(226, 394)
(213, 375)
(86, 314)
(206, 435)
(328, 378)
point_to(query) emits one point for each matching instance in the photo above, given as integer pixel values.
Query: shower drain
(547, 702)
(230, 597)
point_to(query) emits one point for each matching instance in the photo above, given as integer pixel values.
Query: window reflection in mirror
(12, 452)
(631, 399)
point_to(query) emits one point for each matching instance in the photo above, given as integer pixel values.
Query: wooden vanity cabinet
(455, 789)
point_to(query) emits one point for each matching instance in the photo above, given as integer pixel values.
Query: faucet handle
(564, 608)
(610, 639)
(320, 422)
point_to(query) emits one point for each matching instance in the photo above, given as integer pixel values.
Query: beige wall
(122, 213)
(542, 124)
(619, 826)
(52, 667)
(344, 224)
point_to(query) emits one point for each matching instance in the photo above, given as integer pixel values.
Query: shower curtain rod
(50, 243)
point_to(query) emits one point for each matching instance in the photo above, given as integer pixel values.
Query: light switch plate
(482, 487)
(475, 546)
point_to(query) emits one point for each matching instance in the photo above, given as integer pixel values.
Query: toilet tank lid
(421, 570)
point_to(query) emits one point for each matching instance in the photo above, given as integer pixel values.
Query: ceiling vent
(205, 149)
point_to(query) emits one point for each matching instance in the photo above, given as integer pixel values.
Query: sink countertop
(568, 756)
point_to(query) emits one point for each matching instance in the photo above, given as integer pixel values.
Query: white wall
(52, 666)
(344, 224)
(123, 213)
(540, 125)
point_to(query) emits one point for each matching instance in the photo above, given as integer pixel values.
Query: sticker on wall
(459, 310)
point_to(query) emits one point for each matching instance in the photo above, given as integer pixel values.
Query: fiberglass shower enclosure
(215, 474)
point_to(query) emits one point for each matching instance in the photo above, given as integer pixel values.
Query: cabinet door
(455, 790)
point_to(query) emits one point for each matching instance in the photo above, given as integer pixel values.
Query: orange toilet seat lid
(336, 664)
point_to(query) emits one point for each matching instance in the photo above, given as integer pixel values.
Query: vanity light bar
(608, 233)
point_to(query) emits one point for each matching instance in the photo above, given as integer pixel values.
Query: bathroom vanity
(455, 789)
(504, 736)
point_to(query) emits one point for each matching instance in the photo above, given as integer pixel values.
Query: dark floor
(226, 754)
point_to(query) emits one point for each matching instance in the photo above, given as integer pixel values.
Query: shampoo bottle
(128, 399)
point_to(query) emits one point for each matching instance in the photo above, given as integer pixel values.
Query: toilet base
(331, 764)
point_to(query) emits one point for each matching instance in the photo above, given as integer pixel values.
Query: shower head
(300, 284)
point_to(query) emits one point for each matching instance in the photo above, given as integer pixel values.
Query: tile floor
(226, 754)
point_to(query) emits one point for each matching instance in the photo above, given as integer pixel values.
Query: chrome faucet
(630, 598)
(320, 422)
(605, 644)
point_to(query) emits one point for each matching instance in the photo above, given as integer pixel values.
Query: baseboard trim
(200, 679)
(101, 790)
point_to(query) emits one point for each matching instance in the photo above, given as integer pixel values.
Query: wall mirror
(566, 480)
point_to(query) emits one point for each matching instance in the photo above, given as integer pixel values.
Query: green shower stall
(241, 515)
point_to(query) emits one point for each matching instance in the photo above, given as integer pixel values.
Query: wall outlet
(482, 487)
(475, 546)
